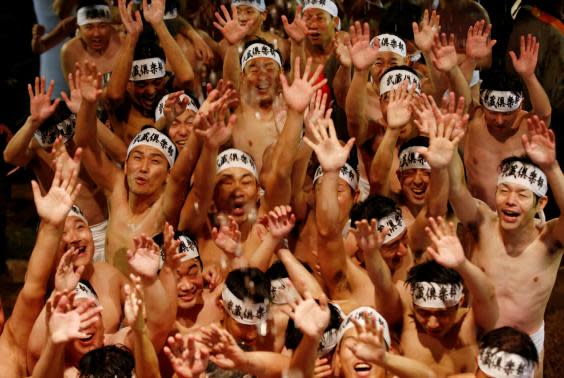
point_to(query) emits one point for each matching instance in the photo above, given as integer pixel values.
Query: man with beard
(139, 78)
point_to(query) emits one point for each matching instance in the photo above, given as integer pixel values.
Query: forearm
(299, 175)
(463, 203)
(438, 80)
(111, 143)
(437, 198)
(86, 131)
(303, 358)
(482, 292)
(556, 182)
(160, 309)
(297, 49)
(117, 86)
(63, 29)
(174, 55)
(51, 362)
(460, 86)
(17, 151)
(355, 107)
(327, 216)
(380, 168)
(232, 66)
(539, 98)
(146, 361)
(301, 279)
(405, 367)
(261, 257)
(341, 85)
(42, 260)
(264, 364)
(388, 301)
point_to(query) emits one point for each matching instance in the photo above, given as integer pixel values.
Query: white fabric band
(93, 13)
(257, 4)
(358, 315)
(259, 50)
(390, 43)
(47, 136)
(326, 5)
(475, 78)
(159, 111)
(188, 246)
(84, 292)
(499, 364)
(243, 312)
(392, 79)
(234, 158)
(395, 223)
(152, 137)
(171, 14)
(147, 69)
(328, 342)
(435, 295)
(526, 175)
(500, 101)
(346, 173)
(76, 212)
(409, 158)
(282, 290)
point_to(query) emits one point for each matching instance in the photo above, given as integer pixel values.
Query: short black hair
(249, 283)
(432, 271)
(294, 335)
(276, 270)
(107, 362)
(499, 79)
(373, 207)
(510, 340)
(418, 141)
(148, 46)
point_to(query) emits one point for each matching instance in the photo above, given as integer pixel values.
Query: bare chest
(255, 131)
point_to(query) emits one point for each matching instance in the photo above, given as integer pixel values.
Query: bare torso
(75, 51)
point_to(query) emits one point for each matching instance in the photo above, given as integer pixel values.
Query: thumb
(513, 56)
(36, 192)
(423, 151)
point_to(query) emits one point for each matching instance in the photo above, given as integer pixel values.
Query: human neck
(88, 271)
(319, 50)
(516, 240)
(263, 107)
(140, 203)
(188, 317)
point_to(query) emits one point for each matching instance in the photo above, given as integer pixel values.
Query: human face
(501, 120)
(189, 284)
(349, 365)
(96, 35)
(515, 206)
(435, 322)
(346, 197)
(77, 234)
(385, 60)
(394, 251)
(245, 334)
(320, 27)
(414, 184)
(179, 131)
(250, 16)
(261, 78)
(146, 92)
(94, 339)
(236, 193)
(146, 170)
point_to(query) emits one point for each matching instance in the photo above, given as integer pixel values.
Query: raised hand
(67, 274)
(308, 316)
(216, 126)
(369, 344)
(330, 154)
(362, 54)
(297, 30)
(73, 103)
(316, 110)
(446, 248)
(443, 53)
(442, 144)
(426, 32)
(171, 248)
(399, 108)
(134, 308)
(144, 258)
(175, 105)
(212, 276)
(224, 351)
(298, 95)
(367, 236)
(281, 220)
(40, 106)
(55, 205)
(528, 54)
(425, 117)
(478, 44)
(154, 12)
(90, 81)
(540, 143)
(342, 53)
(232, 30)
(188, 358)
(131, 21)
(60, 155)
(228, 237)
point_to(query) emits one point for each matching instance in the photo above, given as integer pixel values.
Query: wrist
(35, 122)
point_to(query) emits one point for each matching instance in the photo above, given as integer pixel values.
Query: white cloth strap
(257, 4)
(390, 43)
(259, 50)
(392, 79)
(395, 223)
(436, 295)
(152, 137)
(346, 173)
(93, 13)
(410, 158)
(243, 312)
(159, 111)
(500, 101)
(147, 69)
(500, 364)
(234, 158)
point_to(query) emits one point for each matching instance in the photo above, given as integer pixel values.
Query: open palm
(144, 258)
(446, 249)
(540, 143)
(229, 27)
(40, 106)
(309, 317)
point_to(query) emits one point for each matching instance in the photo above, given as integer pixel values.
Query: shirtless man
(498, 123)
(515, 250)
(97, 40)
(323, 23)
(140, 77)
(148, 191)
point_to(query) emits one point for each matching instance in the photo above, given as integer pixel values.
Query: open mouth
(510, 215)
(81, 250)
(140, 180)
(87, 340)
(362, 369)
(419, 191)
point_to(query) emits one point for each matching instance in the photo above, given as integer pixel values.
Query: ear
(356, 196)
(337, 22)
(542, 202)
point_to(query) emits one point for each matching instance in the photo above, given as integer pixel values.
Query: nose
(499, 119)
(144, 165)
(402, 249)
(184, 284)
(432, 322)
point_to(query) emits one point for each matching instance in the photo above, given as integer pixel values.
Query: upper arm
(102, 170)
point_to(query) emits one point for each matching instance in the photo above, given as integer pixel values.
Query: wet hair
(499, 79)
(432, 271)
(294, 335)
(399, 16)
(264, 42)
(107, 362)
(510, 340)
(418, 141)
(373, 207)
(249, 283)
(148, 45)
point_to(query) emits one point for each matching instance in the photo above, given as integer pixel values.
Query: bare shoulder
(72, 46)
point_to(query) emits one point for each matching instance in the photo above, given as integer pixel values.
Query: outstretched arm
(424, 34)
(301, 279)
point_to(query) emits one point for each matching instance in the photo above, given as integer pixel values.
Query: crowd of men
(325, 198)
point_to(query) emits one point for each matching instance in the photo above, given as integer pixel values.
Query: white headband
(358, 315)
(390, 43)
(435, 295)
(257, 4)
(326, 5)
(526, 175)
(93, 13)
(159, 111)
(243, 312)
(282, 290)
(84, 292)
(346, 173)
(76, 212)
(392, 79)
(328, 342)
(171, 14)
(188, 246)
(147, 69)
(500, 101)
(154, 138)
(47, 136)
(259, 50)
(234, 158)
(409, 158)
(499, 364)
(395, 223)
